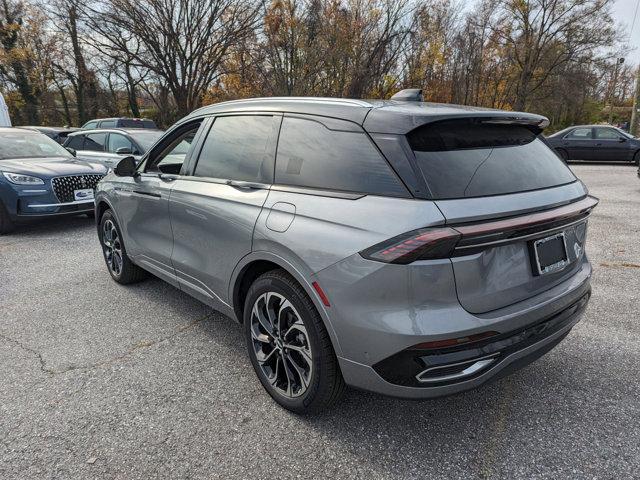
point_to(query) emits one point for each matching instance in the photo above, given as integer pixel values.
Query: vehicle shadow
(461, 436)
(52, 225)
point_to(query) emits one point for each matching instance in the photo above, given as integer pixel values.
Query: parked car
(39, 178)
(406, 248)
(109, 146)
(600, 143)
(120, 123)
(59, 134)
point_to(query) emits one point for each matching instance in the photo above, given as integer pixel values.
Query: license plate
(83, 194)
(551, 253)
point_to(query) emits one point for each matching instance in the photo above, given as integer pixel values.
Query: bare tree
(543, 35)
(183, 42)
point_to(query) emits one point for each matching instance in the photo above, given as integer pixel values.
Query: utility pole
(619, 61)
(633, 126)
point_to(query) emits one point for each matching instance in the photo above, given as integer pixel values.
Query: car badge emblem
(577, 248)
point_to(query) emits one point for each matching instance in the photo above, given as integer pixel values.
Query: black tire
(563, 154)
(325, 384)
(6, 224)
(636, 159)
(127, 272)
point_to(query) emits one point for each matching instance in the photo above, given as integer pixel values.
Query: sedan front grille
(63, 187)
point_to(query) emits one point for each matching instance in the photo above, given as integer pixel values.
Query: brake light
(422, 244)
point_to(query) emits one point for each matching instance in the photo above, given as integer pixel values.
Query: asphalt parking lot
(100, 380)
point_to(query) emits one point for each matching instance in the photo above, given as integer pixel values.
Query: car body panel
(213, 229)
(204, 234)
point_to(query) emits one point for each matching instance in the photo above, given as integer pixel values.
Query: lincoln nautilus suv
(407, 248)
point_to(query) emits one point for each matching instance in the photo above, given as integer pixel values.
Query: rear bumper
(512, 359)
(381, 311)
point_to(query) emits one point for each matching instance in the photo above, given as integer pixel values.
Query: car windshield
(27, 144)
(146, 139)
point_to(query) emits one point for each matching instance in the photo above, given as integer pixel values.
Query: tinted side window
(580, 134)
(92, 124)
(311, 155)
(117, 141)
(238, 148)
(76, 142)
(607, 134)
(107, 124)
(95, 142)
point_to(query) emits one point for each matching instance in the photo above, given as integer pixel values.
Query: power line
(633, 23)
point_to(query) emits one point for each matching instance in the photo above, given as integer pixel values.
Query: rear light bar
(441, 242)
(423, 244)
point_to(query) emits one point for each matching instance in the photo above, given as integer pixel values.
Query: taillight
(422, 244)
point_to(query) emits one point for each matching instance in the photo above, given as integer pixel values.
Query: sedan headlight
(21, 179)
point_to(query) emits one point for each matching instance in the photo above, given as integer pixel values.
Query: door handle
(167, 177)
(598, 144)
(245, 185)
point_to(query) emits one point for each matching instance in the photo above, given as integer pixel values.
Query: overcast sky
(623, 13)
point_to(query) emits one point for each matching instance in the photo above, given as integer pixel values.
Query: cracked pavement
(105, 381)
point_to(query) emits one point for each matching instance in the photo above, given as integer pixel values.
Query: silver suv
(401, 247)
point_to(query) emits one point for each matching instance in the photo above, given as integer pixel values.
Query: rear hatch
(521, 211)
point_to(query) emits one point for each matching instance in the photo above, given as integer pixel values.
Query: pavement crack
(37, 354)
(138, 346)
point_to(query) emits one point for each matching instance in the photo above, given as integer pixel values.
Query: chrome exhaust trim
(474, 366)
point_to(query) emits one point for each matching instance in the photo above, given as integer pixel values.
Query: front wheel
(121, 268)
(636, 158)
(288, 345)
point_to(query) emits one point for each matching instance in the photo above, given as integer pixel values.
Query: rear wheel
(289, 346)
(121, 268)
(636, 158)
(6, 224)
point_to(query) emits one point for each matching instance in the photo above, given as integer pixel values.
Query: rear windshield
(469, 158)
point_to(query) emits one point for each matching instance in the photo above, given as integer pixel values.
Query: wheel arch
(257, 263)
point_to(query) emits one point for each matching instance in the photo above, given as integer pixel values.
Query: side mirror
(72, 151)
(125, 167)
(124, 151)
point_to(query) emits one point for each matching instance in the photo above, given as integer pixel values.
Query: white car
(108, 146)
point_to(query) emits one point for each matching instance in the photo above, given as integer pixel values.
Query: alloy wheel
(112, 247)
(281, 344)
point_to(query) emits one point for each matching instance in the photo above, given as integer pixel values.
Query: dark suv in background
(407, 248)
(119, 123)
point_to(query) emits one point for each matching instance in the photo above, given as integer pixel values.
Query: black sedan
(599, 143)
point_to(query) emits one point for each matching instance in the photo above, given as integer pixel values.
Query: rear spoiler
(402, 117)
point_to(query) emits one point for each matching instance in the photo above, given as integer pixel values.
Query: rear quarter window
(312, 155)
(468, 158)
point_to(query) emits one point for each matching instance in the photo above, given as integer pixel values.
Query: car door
(93, 149)
(117, 142)
(214, 207)
(611, 145)
(579, 143)
(143, 202)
